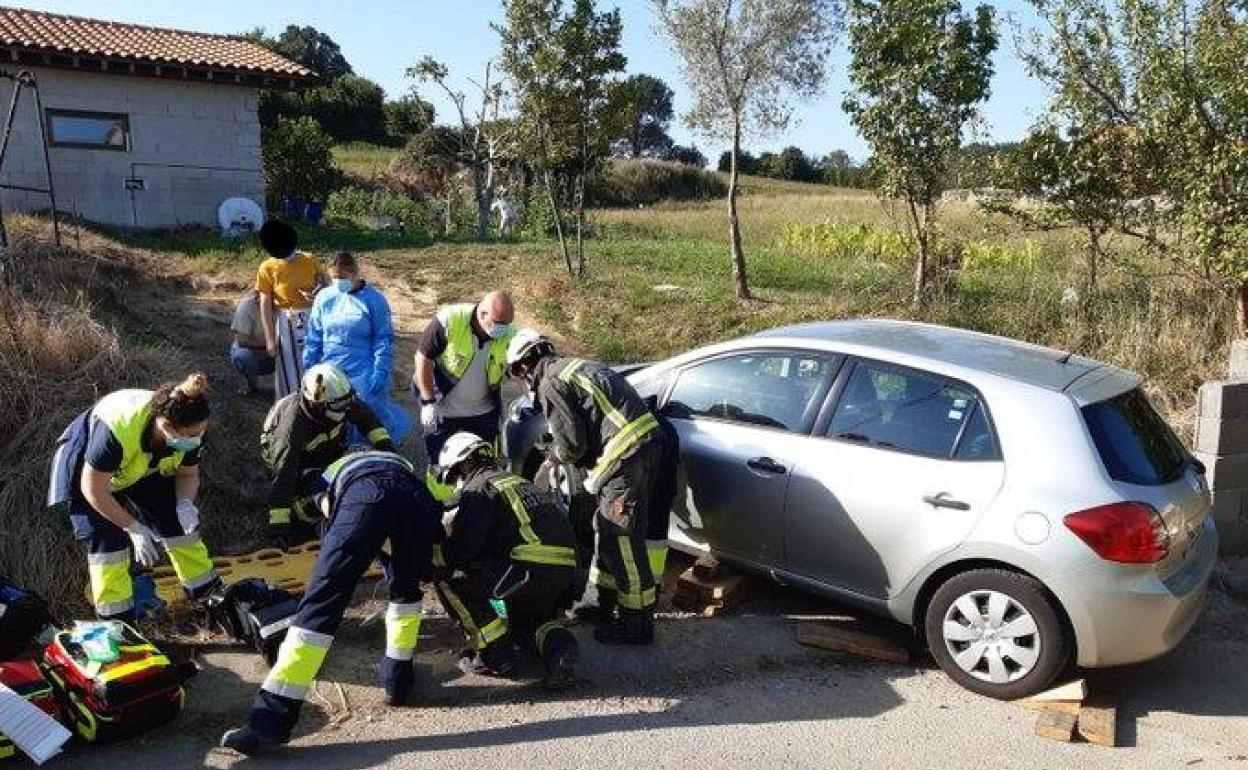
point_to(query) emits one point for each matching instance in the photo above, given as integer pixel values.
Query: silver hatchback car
(1021, 506)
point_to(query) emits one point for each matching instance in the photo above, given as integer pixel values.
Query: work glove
(144, 541)
(431, 416)
(593, 485)
(545, 477)
(188, 516)
(398, 677)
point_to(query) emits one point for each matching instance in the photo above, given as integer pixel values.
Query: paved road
(726, 692)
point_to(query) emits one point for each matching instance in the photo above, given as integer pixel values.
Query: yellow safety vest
(127, 414)
(461, 345)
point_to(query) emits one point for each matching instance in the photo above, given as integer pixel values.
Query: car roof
(1018, 361)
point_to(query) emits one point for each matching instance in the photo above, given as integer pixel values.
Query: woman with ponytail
(128, 471)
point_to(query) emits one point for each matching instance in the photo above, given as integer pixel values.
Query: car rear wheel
(997, 633)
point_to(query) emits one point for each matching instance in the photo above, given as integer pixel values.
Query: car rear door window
(773, 389)
(909, 411)
(1136, 445)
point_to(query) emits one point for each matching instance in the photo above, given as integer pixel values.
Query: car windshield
(1136, 445)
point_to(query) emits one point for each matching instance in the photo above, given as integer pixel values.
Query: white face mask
(334, 416)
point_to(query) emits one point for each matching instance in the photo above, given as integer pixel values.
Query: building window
(88, 130)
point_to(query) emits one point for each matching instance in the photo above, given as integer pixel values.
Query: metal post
(26, 78)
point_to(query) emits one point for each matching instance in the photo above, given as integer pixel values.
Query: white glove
(545, 476)
(144, 541)
(431, 416)
(592, 484)
(188, 516)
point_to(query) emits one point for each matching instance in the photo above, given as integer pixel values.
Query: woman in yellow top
(128, 470)
(286, 283)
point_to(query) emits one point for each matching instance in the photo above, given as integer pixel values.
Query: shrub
(629, 182)
(368, 207)
(838, 240)
(298, 160)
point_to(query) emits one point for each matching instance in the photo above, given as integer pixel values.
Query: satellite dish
(239, 216)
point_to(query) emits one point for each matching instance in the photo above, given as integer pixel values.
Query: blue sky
(381, 38)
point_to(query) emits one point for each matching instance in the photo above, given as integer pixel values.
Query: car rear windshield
(1136, 445)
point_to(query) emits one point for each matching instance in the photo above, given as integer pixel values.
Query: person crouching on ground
(128, 471)
(249, 353)
(507, 543)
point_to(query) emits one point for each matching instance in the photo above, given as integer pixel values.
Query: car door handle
(943, 500)
(766, 465)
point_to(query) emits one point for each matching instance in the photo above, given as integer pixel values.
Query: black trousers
(622, 520)
(535, 596)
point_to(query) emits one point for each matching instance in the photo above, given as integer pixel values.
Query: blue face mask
(183, 443)
(344, 285)
(498, 331)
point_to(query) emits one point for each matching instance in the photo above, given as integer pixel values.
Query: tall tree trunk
(921, 271)
(1243, 310)
(1094, 259)
(554, 204)
(580, 205)
(734, 226)
(483, 205)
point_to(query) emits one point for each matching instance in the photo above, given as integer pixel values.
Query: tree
(1168, 75)
(298, 160)
(838, 169)
(919, 69)
(561, 64)
(484, 135)
(313, 49)
(407, 117)
(746, 62)
(690, 156)
(643, 106)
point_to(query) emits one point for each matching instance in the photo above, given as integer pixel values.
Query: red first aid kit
(105, 702)
(24, 678)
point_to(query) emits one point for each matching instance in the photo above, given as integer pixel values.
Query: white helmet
(525, 343)
(458, 448)
(327, 384)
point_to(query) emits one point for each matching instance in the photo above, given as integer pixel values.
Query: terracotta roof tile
(51, 32)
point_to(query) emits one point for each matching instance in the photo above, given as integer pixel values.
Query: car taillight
(1130, 533)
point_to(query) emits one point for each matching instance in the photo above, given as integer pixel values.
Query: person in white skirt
(286, 283)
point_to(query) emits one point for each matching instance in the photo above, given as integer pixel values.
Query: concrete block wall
(173, 124)
(1221, 443)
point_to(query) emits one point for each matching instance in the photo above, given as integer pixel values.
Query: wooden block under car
(1071, 691)
(708, 597)
(1056, 726)
(839, 639)
(1098, 722)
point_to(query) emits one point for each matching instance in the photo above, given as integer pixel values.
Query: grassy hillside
(363, 161)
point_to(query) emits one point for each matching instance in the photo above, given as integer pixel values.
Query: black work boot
(635, 627)
(249, 741)
(597, 606)
(559, 658)
(498, 658)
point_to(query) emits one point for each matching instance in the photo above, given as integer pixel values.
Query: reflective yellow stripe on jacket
(629, 433)
(532, 550)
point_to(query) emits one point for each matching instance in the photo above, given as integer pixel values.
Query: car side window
(773, 389)
(913, 412)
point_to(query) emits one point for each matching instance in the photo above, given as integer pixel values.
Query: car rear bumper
(1122, 616)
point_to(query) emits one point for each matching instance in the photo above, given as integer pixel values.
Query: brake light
(1129, 533)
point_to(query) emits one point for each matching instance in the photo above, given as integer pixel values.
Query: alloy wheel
(991, 636)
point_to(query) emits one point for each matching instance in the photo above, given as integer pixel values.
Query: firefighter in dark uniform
(598, 422)
(303, 433)
(510, 544)
(371, 497)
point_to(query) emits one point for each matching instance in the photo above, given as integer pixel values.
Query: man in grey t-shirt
(247, 351)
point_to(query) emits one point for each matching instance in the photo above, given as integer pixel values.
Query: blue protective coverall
(353, 331)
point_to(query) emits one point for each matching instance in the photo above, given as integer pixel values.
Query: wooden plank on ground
(839, 639)
(1071, 691)
(1059, 706)
(1098, 722)
(1056, 726)
(710, 590)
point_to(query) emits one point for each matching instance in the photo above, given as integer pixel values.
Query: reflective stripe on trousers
(480, 637)
(112, 592)
(298, 662)
(656, 551)
(191, 561)
(402, 630)
(635, 597)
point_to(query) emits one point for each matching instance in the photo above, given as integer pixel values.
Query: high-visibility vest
(461, 346)
(127, 414)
